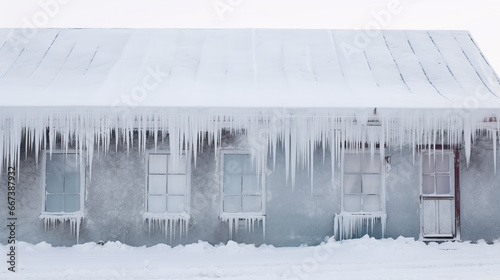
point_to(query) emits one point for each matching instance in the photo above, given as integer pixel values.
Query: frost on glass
(352, 163)
(72, 183)
(352, 203)
(157, 184)
(71, 203)
(157, 204)
(371, 184)
(251, 204)
(179, 166)
(371, 164)
(176, 204)
(157, 164)
(371, 203)
(55, 163)
(352, 183)
(443, 184)
(54, 203)
(55, 183)
(250, 184)
(232, 184)
(232, 204)
(177, 184)
(442, 163)
(427, 184)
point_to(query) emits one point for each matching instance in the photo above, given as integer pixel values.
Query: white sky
(481, 17)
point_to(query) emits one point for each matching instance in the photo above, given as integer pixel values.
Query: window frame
(187, 196)
(262, 186)
(77, 214)
(382, 193)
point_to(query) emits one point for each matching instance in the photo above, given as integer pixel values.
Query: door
(438, 203)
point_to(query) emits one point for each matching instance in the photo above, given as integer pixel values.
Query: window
(362, 183)
(64, 181)
(168, 184)
(242, 190)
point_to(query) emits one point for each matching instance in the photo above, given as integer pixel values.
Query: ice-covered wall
(114, 203)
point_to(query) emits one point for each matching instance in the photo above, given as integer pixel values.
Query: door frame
(456, 178)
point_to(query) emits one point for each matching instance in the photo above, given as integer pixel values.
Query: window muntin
(362, 183)
(63, 183)
(167, 184)
(241, 190)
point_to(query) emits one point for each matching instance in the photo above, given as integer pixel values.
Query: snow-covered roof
(251, 68)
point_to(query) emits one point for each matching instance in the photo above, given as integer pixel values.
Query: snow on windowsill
(167, 223)
(51, 219)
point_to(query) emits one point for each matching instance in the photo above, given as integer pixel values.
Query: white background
(481, 17)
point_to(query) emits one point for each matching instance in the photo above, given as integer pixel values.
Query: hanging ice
(51, 221)
(250, 222)
(169, 224)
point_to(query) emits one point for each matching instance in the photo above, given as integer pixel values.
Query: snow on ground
(364, 258)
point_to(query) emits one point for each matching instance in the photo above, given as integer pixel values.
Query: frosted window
(157, 184)
(157, 164)
(55, 183)
(242, 191)
(362, 183)
(157, 204)
(352, 183)
(232, 184)
(251, 203)
(427, 164)
(250, 184)
(176, 204)
(352, 163)
(442, 163)
(371, 184)
(352, 203)
(178, 167)
(62, 183)
(167, 183)
(54, 203)
(72, 183)
(232, 204)
(371, 203)
(443, 185)
(71, 202)
(427, 184)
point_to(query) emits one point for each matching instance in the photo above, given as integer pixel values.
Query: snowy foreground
(364, 258)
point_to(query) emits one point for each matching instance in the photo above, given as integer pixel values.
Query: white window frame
(77, 214)
(376, 156)
(262, 183)
(167, 215)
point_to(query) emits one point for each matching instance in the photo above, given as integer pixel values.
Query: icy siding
(114, 202)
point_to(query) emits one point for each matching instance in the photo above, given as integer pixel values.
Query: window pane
(233, 164)
(352, 184)
(352, 203)
(177, 184)
(371, 164)
(157, 204)
(251, 184)
(252, 204)
(157, 164)
(427, 184)
(72, 163)
(176, 204)
(71, 202)
(55, 163)
(371, 184)
(443, 185)
(232, 184)
(371, 203)
(232, 204)
(54, 203)
(179, 167)
(72, 183)
(352, 163)
(248, 167)
(157, 184)
(55, 183)
(442, 163)
(427, 164)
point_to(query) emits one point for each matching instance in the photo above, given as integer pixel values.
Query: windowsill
(249, 215)
(176, 216)
(48, 215)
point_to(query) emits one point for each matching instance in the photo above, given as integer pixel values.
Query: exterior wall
(115, 195)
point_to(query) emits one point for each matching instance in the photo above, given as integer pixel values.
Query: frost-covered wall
(115, 196)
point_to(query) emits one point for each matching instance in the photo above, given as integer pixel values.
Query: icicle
(168, 224)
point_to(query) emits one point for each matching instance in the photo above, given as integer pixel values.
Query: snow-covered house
(261, 136)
